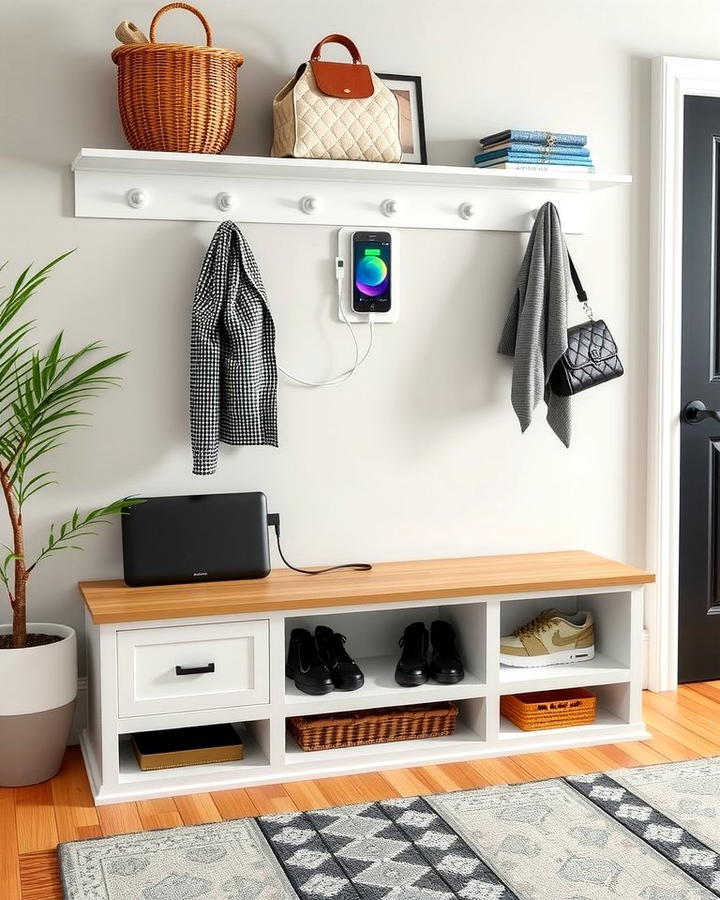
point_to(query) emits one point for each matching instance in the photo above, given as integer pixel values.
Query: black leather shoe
(445, 663)
(344, 671)
(305, 666)
(412, 669)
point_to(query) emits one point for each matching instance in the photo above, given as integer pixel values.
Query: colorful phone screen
(371, 272)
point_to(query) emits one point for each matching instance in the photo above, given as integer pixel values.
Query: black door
(699, 650)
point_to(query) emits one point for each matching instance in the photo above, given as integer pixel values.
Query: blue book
(535, 137)
(526, 147)
(572, 162)
(504, 156)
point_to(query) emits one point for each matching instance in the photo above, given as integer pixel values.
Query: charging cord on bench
(359, 360)
(273, 521)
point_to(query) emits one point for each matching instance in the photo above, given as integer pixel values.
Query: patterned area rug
(651, 833)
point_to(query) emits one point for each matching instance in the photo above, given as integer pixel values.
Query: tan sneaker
(549, 639)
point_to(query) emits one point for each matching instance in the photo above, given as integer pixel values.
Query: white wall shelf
(132, 184)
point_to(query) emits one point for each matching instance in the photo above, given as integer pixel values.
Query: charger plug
(273, 521)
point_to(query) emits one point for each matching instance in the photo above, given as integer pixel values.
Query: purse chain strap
(580, 290)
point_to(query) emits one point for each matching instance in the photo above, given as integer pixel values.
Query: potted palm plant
(41, 398)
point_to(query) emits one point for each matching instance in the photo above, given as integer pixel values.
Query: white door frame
(673, 78)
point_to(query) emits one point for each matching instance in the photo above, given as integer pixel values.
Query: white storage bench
(201, 654)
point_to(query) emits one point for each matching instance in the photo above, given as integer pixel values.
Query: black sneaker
(445, 663)
(305, 666)
(412, 669)
(344, 671)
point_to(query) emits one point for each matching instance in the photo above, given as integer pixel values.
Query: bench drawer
(185, 668)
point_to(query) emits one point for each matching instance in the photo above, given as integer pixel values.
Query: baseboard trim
(80, 722)
(645, 656)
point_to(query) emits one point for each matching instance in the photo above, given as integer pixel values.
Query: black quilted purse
(591, 357)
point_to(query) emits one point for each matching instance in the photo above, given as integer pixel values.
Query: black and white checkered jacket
(233, 373)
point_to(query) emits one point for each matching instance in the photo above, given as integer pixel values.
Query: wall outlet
(345, 253)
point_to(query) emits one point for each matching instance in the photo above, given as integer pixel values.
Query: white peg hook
(225, 201)
(137, 198)
(310, 205)
(467, 210)
(389, 207)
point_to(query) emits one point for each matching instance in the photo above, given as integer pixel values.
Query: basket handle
(161, 12)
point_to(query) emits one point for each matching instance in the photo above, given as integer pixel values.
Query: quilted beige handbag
(331, 110)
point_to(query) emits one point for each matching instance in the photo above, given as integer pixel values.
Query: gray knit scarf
(535, 332)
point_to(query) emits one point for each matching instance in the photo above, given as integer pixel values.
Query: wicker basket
(549, 709)
(177, 97)
(373, 726)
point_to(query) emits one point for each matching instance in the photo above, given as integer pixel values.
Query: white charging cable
(359, 360)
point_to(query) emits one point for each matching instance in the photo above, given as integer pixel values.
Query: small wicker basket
(549, 709)
(373, 726)
(177, 97)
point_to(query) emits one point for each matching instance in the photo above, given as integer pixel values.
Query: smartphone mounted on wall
(371, 268)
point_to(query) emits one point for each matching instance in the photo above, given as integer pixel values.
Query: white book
(536, 167)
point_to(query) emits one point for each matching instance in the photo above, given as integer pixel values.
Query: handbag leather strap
(349, 45)
(346, 81)
(579, 289)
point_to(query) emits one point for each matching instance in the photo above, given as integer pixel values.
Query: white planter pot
(38, 689)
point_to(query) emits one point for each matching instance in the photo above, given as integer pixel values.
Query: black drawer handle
(198, 670)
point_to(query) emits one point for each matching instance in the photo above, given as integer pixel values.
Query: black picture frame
(418, 155)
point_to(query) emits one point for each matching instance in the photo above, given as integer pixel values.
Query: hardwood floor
(33, 820)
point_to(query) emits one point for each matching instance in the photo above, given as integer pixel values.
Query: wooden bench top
(388, 582)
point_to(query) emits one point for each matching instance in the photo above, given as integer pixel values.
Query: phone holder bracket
(345, 253)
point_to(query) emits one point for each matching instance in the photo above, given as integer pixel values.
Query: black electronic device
(206, 537)
(371, 271)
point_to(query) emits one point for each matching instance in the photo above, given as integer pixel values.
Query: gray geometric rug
(650, 833)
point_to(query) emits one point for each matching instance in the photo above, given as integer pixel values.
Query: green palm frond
(63, 537)
(42, 399)
(46, 405)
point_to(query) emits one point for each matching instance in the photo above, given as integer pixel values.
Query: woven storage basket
(177, 97)
(549, 709)
(373, 726)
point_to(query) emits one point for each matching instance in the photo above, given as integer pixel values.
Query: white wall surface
(420, 455)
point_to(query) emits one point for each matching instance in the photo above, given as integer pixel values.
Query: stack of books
(535, 150)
